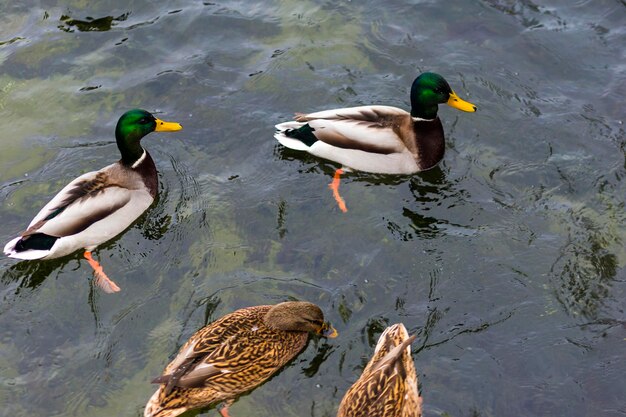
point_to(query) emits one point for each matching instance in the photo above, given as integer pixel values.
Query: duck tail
(304, 134)
(295, 135)
(155, 409)
(34, 246)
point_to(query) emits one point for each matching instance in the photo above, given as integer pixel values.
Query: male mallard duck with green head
(378, 139)
(98, 205)
(388, 385)
(233, 355)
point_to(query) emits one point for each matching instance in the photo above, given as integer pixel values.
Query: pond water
(508, 260)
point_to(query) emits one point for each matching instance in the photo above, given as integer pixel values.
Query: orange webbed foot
(335, 187)
(223, 408)
(100, 278)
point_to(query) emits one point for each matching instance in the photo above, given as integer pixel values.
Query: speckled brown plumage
(233, 355)
(388, 385)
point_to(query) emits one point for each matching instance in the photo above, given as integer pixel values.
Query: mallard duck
(388, 385)
(377, 139)
(233, 355)
(98, 205)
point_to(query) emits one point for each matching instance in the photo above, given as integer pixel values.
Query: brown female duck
(233, 355)
(388, 385)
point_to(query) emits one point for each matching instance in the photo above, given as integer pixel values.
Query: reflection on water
(430, 190)
(312, 368)
(432, 193)
(29, 275)
(156, 222)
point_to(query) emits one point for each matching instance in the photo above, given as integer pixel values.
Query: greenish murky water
(508, 260)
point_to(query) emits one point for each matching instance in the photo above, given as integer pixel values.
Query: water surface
(508, 260)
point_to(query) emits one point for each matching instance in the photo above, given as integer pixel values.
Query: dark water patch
(90, 88)
(145, 23)
(12, 40)
(91, 24)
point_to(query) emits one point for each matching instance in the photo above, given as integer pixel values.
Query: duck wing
(376, 114)
(83, 202)
(244, 362)
(372, 129)
(232, 354)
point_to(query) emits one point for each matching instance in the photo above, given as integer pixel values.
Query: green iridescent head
(428, 91)
(134, 125)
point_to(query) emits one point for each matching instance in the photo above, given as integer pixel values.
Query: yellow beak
(162, 126)
(457, 103)
(329, 331)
